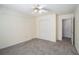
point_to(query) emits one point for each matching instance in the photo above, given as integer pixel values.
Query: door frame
(67, 16)
(72, 28)
(74, 31)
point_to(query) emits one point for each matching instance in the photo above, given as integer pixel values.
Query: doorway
(68, 31)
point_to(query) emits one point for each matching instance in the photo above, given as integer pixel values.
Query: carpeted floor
(40, 47)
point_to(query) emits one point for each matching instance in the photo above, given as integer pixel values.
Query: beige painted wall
(50, 32)
(77, 28)
(15, 27)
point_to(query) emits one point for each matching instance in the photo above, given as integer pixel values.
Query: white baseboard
(14, 43)
(47, 40)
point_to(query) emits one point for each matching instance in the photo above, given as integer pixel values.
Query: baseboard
(15, 43)
(46, 40)
(22, 42)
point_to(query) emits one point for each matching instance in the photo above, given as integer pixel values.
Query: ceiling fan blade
(41, 6)
(43, 11)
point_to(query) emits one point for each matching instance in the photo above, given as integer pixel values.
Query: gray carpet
(40, 47)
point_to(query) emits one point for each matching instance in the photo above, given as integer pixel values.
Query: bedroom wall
(77, 28)
(15, 27)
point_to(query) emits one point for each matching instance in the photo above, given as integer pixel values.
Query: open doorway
(68, 31)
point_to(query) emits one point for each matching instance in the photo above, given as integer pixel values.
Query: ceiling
(56, 8)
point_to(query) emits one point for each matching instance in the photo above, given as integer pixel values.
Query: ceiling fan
(39, 9)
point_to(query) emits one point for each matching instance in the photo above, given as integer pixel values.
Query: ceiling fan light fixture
(37, 9)
(40, 11)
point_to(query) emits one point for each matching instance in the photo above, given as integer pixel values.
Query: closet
(46, 27)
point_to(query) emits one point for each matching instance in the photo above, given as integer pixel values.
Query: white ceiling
(56, 8)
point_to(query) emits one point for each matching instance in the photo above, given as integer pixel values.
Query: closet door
(45, 29)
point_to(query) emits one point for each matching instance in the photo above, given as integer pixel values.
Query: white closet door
(44, 29)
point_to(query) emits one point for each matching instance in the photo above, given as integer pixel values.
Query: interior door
(45, 28)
